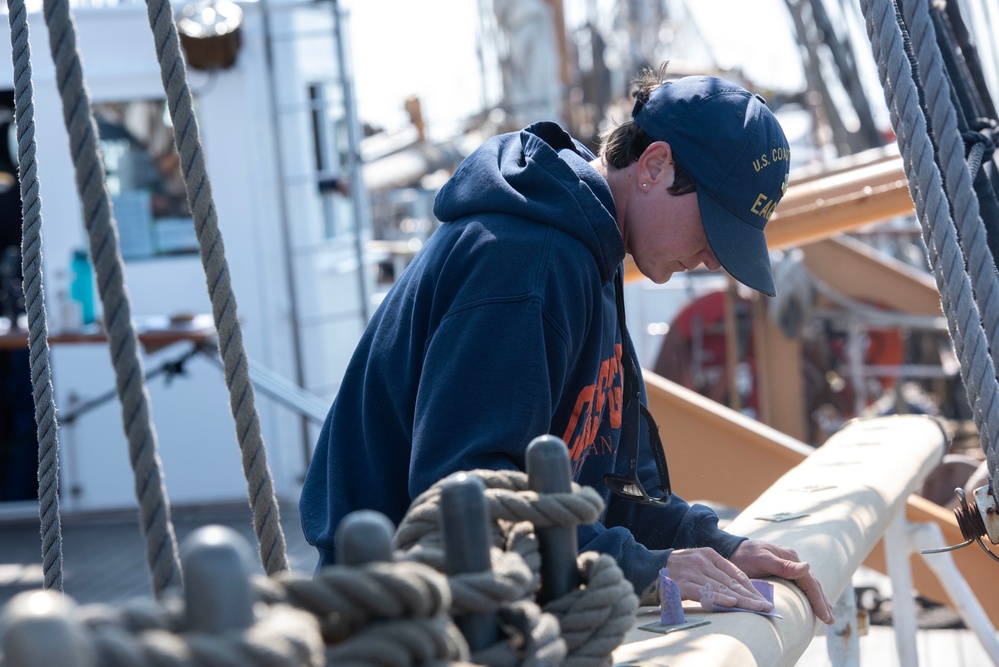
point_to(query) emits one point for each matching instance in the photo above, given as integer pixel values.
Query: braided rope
(939, 234)
(960, 192)
(591, 621)
(347, 598)
(508, 498)
(534, 639)
(375, 614)
(282, 636)
(47, 428)
(595, 618)
(161, 543)
(401, 644)
(266, 516)
(515, 511)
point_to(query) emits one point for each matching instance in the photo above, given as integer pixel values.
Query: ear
(656, 164)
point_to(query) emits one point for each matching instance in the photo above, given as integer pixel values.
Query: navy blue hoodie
(504, 327)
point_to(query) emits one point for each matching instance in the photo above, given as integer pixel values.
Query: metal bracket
(987, 509)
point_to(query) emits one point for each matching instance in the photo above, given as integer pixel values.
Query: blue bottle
(82, 286)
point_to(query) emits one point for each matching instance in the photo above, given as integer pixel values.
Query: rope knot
(978, 147)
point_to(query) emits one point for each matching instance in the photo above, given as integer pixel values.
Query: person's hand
(761, 559)
(700, 570)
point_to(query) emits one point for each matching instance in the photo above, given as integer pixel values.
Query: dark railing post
(548, 472)
(364, 536)
(38, 630)
(465, 530)
(217, 592)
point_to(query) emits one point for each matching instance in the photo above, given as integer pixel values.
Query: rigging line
(47, 428)
(964, 204)
(260, 487)
(150, 489)
(976, 124)
(969, 112)
(932, 208)
(971, 55)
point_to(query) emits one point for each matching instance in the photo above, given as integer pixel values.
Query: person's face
(663, 232)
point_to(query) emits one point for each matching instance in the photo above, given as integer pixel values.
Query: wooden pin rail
(847, 491)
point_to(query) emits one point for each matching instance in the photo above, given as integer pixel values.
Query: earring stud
(645, 185)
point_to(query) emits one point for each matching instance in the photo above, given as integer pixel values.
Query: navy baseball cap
(735, 151)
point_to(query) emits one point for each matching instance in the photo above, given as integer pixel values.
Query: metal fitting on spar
(975, 519)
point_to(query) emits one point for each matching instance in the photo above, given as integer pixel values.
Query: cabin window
(144, 179)
(330, 152)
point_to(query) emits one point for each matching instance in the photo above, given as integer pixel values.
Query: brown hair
(624, 144)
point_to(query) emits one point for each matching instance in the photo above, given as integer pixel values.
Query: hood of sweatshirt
(540, 174)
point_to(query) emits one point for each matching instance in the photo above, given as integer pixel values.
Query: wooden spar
(874, 277)
(839, 203)
(696, 429)
(848, 491)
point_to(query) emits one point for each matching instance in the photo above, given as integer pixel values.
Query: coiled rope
(591, 620)
(281, 636)
(47, 429)
(382, 614)
(964, 320)
(377, 614)
(154, 507)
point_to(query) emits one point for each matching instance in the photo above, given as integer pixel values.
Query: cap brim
(740, 247)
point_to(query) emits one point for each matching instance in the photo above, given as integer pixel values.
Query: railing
(832, 509)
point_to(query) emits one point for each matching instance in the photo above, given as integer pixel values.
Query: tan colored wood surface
(699, 434)
(846, 492)
(840, 202)
(873, 277)
(779, 375)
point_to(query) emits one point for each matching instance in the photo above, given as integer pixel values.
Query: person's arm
(491, 376)
(702, 554)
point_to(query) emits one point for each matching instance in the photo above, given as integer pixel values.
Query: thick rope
(34, 299)
(509, 498)
(591, 620)
(375, 614)
(154, 508)
(960, 191)
(595, 617)
(345, 599)
(939, 234)
(957, 177)
(281, 636)
(403, 643)
(266, 516)
(534, 639)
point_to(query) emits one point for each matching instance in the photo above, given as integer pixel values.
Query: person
(509, 324)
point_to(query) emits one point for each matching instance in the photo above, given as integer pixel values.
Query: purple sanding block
(765, 588)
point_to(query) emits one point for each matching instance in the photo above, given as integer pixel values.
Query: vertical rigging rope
(266, 517)
(34, 299)
(154, 507)
(932, 208)
(956, 175)
(980, 264)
